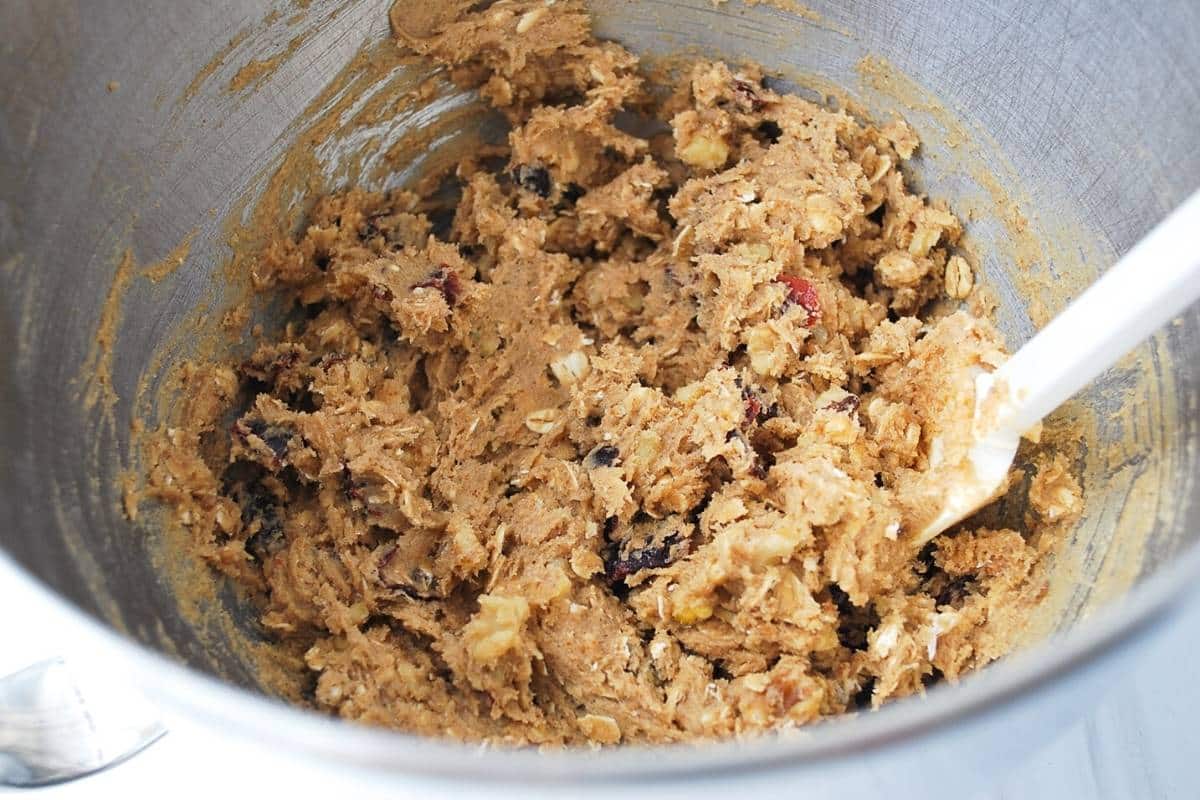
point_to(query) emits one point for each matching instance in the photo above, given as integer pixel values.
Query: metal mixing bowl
(1085, 114)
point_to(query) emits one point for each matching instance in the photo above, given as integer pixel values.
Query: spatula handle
(1155, 281)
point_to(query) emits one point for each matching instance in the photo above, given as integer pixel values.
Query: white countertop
(1143, 741)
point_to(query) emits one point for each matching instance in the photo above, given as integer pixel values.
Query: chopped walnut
(959, 278)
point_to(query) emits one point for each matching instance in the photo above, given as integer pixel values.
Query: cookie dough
(626, 443)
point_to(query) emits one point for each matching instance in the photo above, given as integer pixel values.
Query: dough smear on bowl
(628, 448)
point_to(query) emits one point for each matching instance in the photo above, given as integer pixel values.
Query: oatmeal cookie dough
(631, 450)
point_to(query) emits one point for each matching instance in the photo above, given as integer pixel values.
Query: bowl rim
(1111, 630)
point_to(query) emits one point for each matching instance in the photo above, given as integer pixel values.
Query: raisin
(802, 292)
(769, 131)
(259, 509)
(533, 179)
(603, 456)
(876, 216)
(746, 95)
(350, 488)
(617, 569)
(759, 468)
(275, 437)
(752, 405)
(445, 281)
(847, 405)
(419, 583)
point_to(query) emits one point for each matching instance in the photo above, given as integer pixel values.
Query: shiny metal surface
(1086, 109)
(59, 722)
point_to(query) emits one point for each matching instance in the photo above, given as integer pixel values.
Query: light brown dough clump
(631, 450)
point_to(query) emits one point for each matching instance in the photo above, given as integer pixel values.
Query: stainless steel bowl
(1085, 113)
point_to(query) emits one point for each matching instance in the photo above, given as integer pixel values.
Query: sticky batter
(623, 442)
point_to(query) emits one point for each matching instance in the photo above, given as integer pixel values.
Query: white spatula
(1155, 281)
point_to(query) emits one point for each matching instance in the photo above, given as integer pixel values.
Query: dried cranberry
(445, 281)
(802, 292)
(756, 410)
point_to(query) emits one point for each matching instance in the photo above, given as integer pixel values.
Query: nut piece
(542, 421)
(959, 278)
(705, 151)
(691, 613)
(496, 627)
(570, 368)
(898, 268)
(823, 214)
(768, 355)
(529, 19)
(600, 728)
